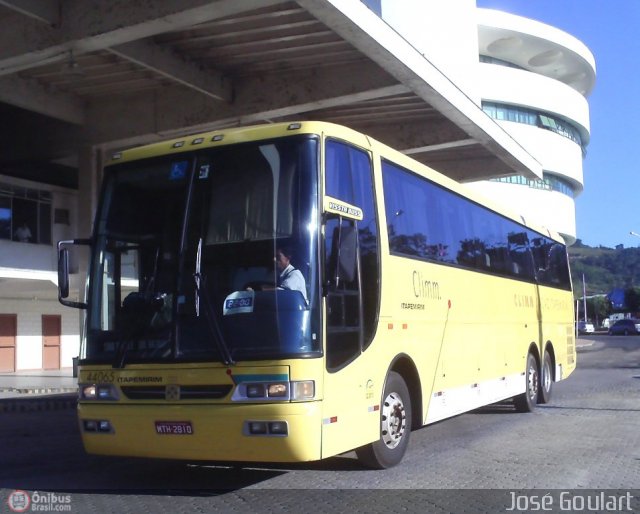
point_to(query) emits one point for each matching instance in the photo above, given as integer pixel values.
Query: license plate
(174, 428)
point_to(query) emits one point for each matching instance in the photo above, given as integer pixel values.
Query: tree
(598, 308)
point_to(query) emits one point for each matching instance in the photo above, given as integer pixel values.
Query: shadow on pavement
(42, 451)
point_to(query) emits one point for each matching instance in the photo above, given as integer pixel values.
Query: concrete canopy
(119, 73)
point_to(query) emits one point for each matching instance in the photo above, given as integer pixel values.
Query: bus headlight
(255, 390)
(294, 391)
(93, 425)
(265, 428)
(277, 390)
(269, 390)
(93, 392)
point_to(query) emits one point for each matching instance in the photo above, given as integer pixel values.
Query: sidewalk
(38, 390)
(581, 342)
(20, 383)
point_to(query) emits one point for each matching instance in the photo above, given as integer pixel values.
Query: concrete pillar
(90, 159)
(89, 176)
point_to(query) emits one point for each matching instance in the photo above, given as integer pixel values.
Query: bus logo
(172, 392)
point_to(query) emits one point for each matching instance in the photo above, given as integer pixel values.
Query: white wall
(519, 87)
(29, 337)
(557, 154)
(445, 32)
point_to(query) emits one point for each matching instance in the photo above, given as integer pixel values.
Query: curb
(38, 390)
(61, 401)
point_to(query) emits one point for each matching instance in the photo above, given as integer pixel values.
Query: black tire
(546, 379)
(526, 402)
(395, 426)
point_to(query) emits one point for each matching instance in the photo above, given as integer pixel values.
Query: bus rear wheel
(546, 382)
(526, 402)
(395, 426)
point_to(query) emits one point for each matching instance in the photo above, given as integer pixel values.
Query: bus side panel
(467, 332)
(557, 328)
(350, 409)
(413, 318)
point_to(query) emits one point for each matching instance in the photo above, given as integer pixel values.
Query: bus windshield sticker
(204, 171)
(238, 302)
(344, 209)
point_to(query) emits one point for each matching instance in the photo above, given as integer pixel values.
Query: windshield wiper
(212, 320)
(135, 321)
(121, 353)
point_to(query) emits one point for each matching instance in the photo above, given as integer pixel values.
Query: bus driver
(290, 278)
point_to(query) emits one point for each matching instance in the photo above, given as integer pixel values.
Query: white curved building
(534, 79)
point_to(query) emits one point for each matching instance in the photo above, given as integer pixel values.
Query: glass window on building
(25, 214)
(5, 218)
(530, 117)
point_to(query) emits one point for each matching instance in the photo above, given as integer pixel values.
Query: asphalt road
(583, 447)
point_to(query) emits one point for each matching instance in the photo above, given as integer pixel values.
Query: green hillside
(604, 268)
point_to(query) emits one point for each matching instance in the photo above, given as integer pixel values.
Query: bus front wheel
(395, 426)
(526, 402)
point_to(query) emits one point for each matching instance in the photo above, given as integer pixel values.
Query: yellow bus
(290, 292)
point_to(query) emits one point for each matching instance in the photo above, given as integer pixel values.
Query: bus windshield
(207, 256)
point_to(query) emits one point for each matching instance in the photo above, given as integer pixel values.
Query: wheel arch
(535, 350)
(406, 368)
(548, 348)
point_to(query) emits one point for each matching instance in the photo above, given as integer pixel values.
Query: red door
(8, 333)
(51, 332)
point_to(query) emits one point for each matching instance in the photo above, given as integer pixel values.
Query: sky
(609, 207)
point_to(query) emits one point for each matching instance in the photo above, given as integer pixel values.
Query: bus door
(348, 384)
(351, 294)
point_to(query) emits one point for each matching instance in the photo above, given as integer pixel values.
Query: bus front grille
(190, 392)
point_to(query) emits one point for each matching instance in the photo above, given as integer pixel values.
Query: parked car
(625, 327)
(585, 328)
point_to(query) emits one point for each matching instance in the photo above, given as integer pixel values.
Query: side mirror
(63, 273)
